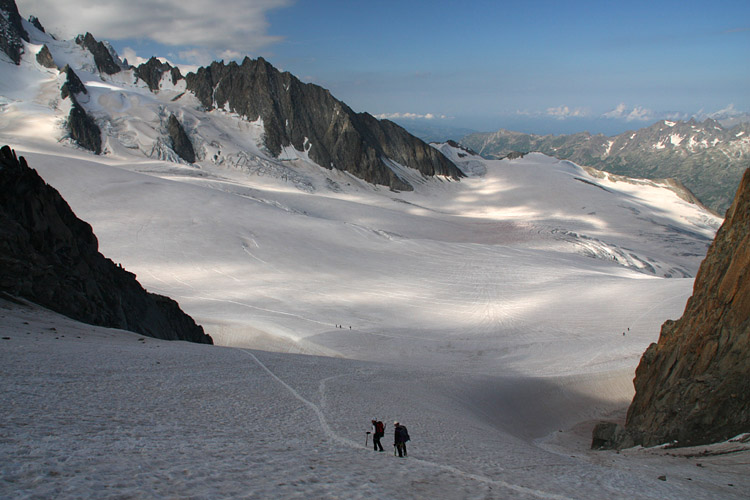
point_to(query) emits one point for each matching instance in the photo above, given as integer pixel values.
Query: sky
(541, 66)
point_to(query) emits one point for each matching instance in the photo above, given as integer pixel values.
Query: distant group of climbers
(400, 437)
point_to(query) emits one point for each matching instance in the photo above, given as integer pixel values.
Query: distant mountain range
(705, 156)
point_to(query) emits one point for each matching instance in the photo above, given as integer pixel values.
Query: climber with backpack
(400, 437)
(379, 433)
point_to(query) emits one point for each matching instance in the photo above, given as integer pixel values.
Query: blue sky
(537, 65)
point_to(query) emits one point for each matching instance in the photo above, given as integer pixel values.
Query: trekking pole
(367, 437)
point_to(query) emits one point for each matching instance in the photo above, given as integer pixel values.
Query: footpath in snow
(92, 412)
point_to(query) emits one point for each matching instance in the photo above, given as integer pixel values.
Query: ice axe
(367, 437)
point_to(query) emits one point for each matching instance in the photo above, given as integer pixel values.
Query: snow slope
(96, 413)
(487, 315)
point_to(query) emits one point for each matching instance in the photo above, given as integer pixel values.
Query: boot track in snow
(335, 437)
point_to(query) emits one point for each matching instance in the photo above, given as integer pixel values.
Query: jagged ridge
(310, 119)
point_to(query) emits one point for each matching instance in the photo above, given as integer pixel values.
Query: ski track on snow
(348, 442)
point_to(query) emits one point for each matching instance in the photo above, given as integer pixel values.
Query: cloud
(132, 58)
(564, 112)
(726, 112)
(217, 27)
(638, 113)
(559, 113)
(410, 116)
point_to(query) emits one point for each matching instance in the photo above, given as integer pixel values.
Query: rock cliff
(153, 70)
(50, 257)
(44, 57)
(310, 119)
(103, 59)
(81, 127)
(180, 141)
(693, 386)
(12, 32)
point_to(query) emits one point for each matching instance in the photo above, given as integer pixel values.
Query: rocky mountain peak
(153, 71)
(103, 58)
(36, 23)
(309, 119)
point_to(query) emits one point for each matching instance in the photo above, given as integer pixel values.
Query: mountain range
(706, 157)
(296, 118)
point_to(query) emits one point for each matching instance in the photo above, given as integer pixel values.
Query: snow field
(97, 412)
(496, 317)
(260, 265)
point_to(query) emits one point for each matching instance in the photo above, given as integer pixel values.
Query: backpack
(406, 434)
(379, 428)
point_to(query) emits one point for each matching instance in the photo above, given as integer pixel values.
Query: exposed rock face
(50, 257)
(609, 435)
(153, 71)
(36, 23)
(12, 32)
(180, 141)
(73, 85)
(693, 386)
(44, 57)
(81, 127)
(308, 118)
(102, 57)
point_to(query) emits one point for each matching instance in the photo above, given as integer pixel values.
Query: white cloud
(216, 27)
(132, 58)
(564, 112)
(410, 116)
(726, 112)
(638, 113)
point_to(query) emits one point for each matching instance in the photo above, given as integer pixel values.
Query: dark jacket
(400, 434)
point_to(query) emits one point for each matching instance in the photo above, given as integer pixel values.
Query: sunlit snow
(497, 317)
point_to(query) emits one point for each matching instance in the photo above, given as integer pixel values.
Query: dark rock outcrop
(310, 119)
(44, 57)
(50, 257)
(34, 21)
(73, 85)
(180, 141)
(153, 71)
(103, 59)
(81, 127)
(514, 155)
(693, 386)
(609, 436)
(12, 32)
